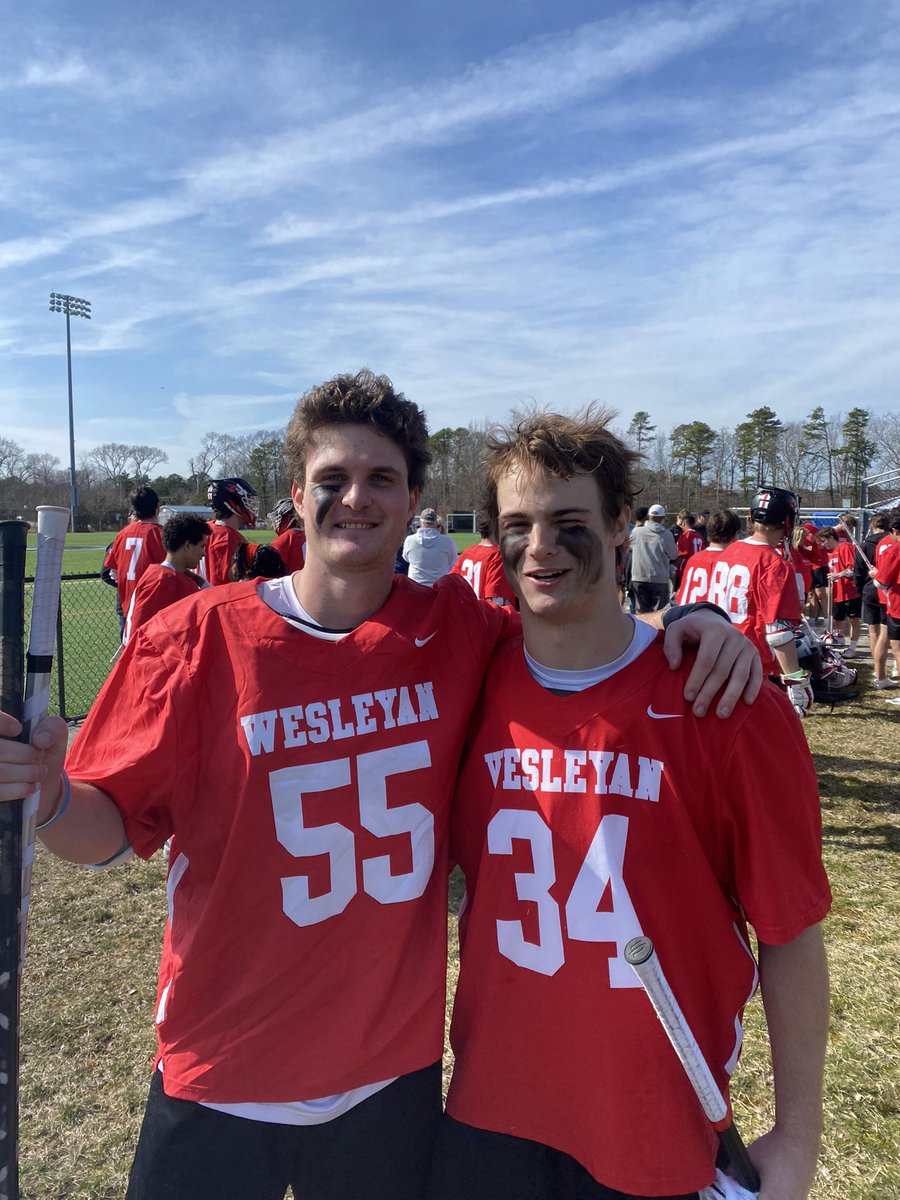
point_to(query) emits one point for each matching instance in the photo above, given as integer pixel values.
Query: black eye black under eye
(325, 495)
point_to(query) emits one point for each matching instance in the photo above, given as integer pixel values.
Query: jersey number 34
(602, 868)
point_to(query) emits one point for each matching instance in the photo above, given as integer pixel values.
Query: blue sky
(687, 208)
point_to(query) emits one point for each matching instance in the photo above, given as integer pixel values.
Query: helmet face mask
(283, 515)
(775, 506)
(235, 496)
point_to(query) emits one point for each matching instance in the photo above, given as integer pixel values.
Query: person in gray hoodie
(653, 551)
(429, 552)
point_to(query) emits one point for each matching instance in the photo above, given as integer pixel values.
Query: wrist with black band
(677, 611)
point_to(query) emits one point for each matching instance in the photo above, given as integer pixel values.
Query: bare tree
(885, 431)
(12, 458)
(40, 469)
(143, 460)
(202, 463)
(111, 460)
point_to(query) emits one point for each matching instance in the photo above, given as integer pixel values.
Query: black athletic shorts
(477, 1164)
(873, 613)
(893, 624)
(650, 597)
(847, 608)
(382, 1147)
(819, 577)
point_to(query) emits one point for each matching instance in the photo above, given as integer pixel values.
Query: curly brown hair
(563, 446)
(360, 399)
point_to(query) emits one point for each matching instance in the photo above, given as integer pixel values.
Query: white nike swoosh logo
(661, 716)
(424, 641)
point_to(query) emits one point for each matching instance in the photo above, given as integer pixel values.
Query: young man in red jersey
(593, 807)
(846, 600)
(137, 546)
(298, 739)
(690, 542)
(184, 538)
(756, 585)
(886, 576)
(482, 568)
(236, 505)
(289, 540)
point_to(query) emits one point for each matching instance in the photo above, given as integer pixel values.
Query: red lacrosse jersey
(802, 571)
(752, 582)
(291, 545)
(220, 548)
(887, 563)
(841, 559)
(307, 784)
(818, 555)
(690, 543)
(482, 567)
(580, 822)
(157, 588)
(135, 548)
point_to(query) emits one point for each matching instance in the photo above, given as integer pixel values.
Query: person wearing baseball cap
(653, 550)
(429, 552)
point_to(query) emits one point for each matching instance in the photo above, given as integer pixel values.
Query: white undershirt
(556, 680)
(280, 596)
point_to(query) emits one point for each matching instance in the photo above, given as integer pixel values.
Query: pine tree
(641, 431)
(858, 449)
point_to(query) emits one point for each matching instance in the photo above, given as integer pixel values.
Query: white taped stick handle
(52, 524)
(641, 957)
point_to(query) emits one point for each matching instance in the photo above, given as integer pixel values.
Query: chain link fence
(87, 639)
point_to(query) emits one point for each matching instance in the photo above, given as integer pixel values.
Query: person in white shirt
(429, 552)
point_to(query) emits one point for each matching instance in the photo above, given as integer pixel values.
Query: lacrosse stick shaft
(639, 953)
(13, 536)
(859, 550)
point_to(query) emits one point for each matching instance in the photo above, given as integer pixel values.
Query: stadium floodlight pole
(72, 306)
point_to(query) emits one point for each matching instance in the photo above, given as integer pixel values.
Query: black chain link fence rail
(87, 639)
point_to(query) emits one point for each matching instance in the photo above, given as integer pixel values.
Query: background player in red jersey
(690, 541)
(482, 568)
(289, 540)
(184, 538)
(818, 600)
(236, 505)
(874, 602)
(846, 600)
(298, 739)
(756, 585)
(594, 807)
(886, 576)
(137, 546)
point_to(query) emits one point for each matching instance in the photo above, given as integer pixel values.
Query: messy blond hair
(563, 446)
